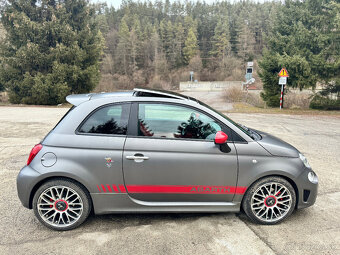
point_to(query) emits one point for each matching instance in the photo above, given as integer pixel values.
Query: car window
(111, 120)
(174, 121)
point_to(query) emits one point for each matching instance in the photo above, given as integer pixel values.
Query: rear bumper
(307, 191)
(26, 180)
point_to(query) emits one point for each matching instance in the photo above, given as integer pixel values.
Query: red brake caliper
(278, 193)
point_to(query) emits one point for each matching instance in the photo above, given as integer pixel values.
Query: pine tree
(305, 41)
(179, 43)
(191, 46)
(123, 48)
(52, 48)
(246, 43)
(221, 45)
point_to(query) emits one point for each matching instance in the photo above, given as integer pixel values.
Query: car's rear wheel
(61, 204)
(269, 200)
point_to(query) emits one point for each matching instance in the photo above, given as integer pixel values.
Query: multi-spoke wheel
(269, 200)
(61, 204)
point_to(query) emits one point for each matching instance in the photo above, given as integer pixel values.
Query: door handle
(137, 157)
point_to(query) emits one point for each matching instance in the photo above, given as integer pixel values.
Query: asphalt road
(314, 230)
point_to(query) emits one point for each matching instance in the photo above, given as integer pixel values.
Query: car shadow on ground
(123, 220)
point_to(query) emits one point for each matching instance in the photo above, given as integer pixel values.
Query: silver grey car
(158, 151)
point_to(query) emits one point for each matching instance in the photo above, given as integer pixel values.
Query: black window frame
(133, 123)
(77, 132)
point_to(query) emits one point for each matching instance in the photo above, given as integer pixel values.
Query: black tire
(80, 193)
(278, 203)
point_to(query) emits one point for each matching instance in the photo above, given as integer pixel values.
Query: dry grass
(297, 100)
(235, 94)
(4, 98)
(242, 107)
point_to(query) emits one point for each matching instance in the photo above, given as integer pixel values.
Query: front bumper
(26, 180)
(307, 191)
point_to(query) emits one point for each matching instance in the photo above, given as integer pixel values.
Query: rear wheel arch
(41, 182)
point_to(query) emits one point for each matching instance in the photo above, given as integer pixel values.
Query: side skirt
(118, 203)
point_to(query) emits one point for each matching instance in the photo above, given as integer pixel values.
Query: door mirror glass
(221, 137)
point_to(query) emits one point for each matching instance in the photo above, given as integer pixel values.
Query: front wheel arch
(280, 176)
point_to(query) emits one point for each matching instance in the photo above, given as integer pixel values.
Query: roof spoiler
(78, 99)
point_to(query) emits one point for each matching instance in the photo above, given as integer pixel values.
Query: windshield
(249, 132)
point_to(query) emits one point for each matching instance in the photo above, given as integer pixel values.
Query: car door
(171, 156)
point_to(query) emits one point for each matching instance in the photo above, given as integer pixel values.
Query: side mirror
(221, 137)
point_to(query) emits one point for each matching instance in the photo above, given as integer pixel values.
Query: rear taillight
(34, 153)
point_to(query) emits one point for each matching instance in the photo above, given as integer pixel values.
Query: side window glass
(111, 120)
(173, 121)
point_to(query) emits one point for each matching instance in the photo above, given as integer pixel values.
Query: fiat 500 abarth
(158, 151)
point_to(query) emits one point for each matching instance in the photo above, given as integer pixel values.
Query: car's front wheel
(269, 200)
(61, 204)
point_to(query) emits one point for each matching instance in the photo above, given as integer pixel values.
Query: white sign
(283, 81)
(250, 64)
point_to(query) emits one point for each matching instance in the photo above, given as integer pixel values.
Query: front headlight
(304, 160)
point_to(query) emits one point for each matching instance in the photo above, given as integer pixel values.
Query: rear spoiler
(78, 99)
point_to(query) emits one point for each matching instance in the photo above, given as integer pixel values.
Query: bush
(294, 100)
(255, 100)
(324, 103)
(235, 94)
(158, 83)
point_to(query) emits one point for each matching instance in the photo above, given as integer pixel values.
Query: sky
(116, 3)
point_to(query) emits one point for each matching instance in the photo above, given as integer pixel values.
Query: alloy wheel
(60, 206)
(271, 202)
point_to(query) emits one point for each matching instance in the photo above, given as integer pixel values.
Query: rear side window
(109, 120)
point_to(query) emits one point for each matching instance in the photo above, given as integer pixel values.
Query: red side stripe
(115, 188)
(103, 187)
(122, 188)
(240, 190)
(109, 188)
(99, 188)
(184, 189)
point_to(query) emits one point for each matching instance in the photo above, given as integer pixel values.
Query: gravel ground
(308, 231)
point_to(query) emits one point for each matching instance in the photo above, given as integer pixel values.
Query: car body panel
(200, 164)
(99, 163)
(276, 146)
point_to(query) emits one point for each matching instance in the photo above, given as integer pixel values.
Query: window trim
(134, 121)
(97, 109)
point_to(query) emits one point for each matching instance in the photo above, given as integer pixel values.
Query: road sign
(283, 73)
(283, 81)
